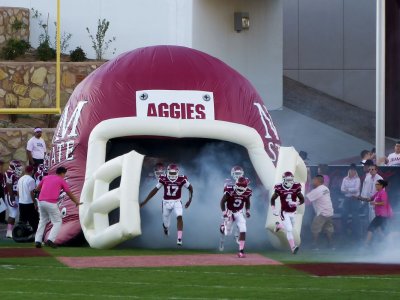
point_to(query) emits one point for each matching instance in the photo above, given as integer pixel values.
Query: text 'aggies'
(176, 110)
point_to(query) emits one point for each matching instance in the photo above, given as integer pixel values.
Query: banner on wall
(182, 104)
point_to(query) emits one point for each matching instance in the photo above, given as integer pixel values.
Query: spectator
(27, 202)
(383, 210)
(36, 148)
(365, 155)
(50, 188)
(323, 170)
(373, 155)
(351, 190)
(368, 163)
(303, 155)
(368, 188)
(393, 160)
(3, 206)
(321, 200)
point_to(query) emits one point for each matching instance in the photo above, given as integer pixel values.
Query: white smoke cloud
(206, 172)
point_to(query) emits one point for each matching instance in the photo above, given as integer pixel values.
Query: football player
(234, 200)
(172, 183)
(288, 192)
(41, 171)
(10, 185)
(159, 170)
(236, 172)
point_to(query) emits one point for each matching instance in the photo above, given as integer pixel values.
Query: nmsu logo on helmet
(65, 134)
(185, 105)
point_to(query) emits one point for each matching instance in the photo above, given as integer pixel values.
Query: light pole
(380, 78)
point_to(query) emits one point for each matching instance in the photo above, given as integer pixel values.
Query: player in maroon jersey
(234, 200)
(288, 192)
(172, 183)
(10, 185)
(159, 170)
(236, 172)
(41, 171)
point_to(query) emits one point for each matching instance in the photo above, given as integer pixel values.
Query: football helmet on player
(172, 172)
(16, 167)
(159, 170)
(241, 185)
(236, 172)
(288, 179)
(40, 173)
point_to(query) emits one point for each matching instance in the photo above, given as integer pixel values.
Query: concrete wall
(330, 45)
(206, 25)
(256, 53)
(135, 23)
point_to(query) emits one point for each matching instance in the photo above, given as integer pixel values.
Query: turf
(46, 278)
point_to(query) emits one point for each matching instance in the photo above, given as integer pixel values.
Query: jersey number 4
(172, 190)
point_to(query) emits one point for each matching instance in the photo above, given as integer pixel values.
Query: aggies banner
(181, 104)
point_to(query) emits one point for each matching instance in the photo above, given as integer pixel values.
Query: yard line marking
(278, 289)
(110, 296)
(372, 277)
(204, 286)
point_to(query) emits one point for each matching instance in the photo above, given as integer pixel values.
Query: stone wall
(32, 84)
(14, 23)
(13, 142)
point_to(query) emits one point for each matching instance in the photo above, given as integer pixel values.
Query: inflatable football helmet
(159, 92)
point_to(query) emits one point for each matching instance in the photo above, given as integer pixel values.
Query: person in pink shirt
(50, 188)
(383, 210)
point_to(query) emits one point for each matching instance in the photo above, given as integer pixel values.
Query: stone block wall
(33, 84)
(10, 16)
(13, 142)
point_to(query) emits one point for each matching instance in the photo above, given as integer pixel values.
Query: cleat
(51, 244)
(38, 245)
(277, 227)
(241, 254)
(179, 242)
(221, 245)
(166, 232)
(295, 249)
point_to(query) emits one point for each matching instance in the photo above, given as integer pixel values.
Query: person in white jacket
(351, 205)
(368, 188)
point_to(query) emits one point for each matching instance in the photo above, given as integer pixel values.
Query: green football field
(47, 278)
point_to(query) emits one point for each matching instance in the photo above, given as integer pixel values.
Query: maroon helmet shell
(109, 92)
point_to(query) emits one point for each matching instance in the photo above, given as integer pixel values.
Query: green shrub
(14, 48)
(78, 54)
(45, 52)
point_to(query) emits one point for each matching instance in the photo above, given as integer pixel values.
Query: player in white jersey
(393, 160)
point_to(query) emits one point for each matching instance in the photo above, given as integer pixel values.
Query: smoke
(207, 166)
